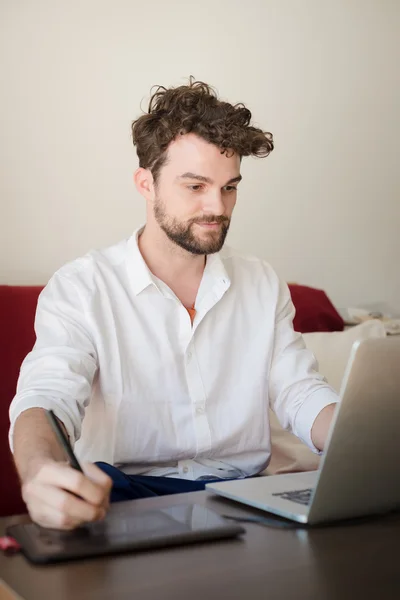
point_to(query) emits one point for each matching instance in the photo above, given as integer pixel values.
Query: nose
(213, 203)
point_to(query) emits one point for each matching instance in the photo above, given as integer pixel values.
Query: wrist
(321, 426)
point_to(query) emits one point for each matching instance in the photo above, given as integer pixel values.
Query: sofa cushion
(332, 351)
(314, 310)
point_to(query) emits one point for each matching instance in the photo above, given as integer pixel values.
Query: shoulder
(84, 272)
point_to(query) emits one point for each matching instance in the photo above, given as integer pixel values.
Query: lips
(209, 225)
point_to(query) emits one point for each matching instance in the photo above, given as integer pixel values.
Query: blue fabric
(130, 487)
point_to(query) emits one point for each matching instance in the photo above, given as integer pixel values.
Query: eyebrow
(207, 179)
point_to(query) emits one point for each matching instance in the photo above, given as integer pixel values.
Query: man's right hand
(48, 491)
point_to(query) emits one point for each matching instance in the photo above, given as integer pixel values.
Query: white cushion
(332, 351)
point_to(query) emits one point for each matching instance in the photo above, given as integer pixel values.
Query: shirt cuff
(309, 411)
(40, 402)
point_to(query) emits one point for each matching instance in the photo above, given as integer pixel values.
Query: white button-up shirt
(136, 384)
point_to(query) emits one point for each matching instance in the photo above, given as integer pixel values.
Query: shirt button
(200, 410)
(186, 469)
(189, 356)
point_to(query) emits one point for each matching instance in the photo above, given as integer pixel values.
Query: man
(171, 346)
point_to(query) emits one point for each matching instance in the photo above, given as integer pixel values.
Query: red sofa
(17, 309)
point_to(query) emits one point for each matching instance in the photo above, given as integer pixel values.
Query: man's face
(195, 194)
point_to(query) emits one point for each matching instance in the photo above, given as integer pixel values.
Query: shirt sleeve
(297, 391)
(58, 373)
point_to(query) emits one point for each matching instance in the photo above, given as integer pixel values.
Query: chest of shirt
(147, 345)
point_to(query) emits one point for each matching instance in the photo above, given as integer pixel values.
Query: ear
(144, 182)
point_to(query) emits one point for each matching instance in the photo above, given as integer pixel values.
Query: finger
(98, 476)
(50, 517)
(65, 477)
(70, 506)
(47, 515)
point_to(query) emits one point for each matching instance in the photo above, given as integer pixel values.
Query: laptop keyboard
(299, 496)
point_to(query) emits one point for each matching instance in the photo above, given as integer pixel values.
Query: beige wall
(322, 75)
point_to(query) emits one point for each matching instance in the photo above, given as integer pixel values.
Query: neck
(166, 260)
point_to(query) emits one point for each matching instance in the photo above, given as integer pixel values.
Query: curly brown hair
(195, 108)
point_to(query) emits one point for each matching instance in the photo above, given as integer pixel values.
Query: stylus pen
(62, 438)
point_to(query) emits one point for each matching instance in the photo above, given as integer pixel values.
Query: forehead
(190, 153)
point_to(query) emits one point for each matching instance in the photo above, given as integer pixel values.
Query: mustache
(211, 219)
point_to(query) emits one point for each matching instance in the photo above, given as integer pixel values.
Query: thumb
(98, 476)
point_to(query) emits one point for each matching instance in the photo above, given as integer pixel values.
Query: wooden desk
(355, 561)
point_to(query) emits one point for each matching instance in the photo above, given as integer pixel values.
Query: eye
(195, 187)
(230, 188)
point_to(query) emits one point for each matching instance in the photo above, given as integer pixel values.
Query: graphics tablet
(124, 530)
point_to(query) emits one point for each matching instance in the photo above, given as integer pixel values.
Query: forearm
(34, 442)
(320, 428)
(56, 495)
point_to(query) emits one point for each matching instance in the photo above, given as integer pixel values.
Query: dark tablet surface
(124, 531)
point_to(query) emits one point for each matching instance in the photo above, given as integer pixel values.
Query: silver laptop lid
(359, 474)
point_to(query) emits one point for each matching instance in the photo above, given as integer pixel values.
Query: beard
(183, 234)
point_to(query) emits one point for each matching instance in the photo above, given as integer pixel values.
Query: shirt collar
(142, 277)
(214, 283)
(140, 274)
(216, 269)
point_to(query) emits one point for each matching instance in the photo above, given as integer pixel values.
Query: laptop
(359, 473)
